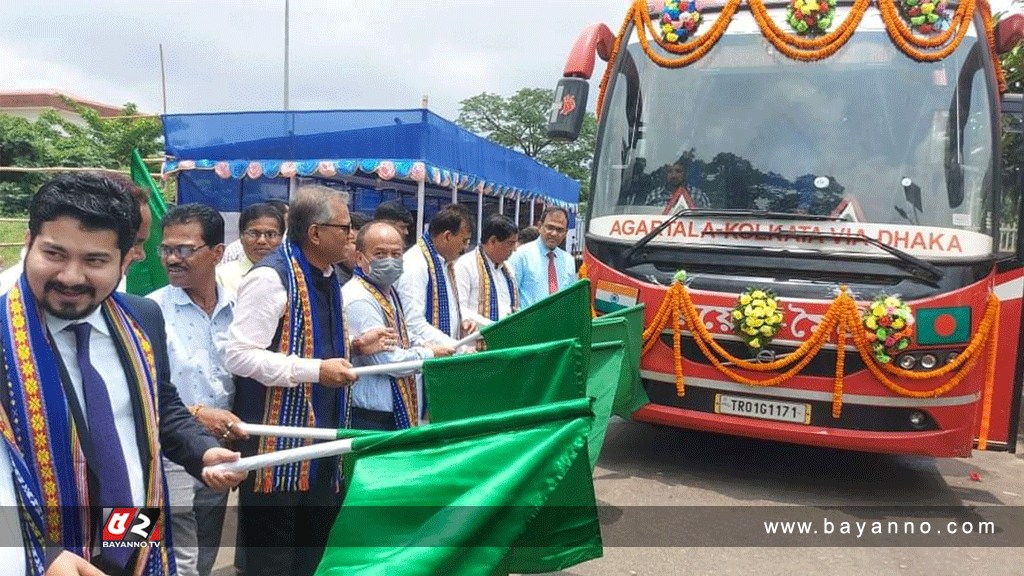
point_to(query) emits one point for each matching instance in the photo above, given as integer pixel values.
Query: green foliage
(519, 122)
(1013, 143)
(55, 141)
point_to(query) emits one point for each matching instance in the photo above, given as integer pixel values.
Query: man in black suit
(110, 355)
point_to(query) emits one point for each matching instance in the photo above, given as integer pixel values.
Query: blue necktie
(110, 466)
(108, 457)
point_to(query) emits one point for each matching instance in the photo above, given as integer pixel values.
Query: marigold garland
(990, 377)
(844, 316)
(903, 37)
(584, 274)
(805, 49)
(802, 48)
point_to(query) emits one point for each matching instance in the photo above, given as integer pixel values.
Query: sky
(229, 54)
(223, 55)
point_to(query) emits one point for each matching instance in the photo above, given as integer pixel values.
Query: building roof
(52, 99)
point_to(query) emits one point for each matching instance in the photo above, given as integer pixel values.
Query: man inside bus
(677, 193)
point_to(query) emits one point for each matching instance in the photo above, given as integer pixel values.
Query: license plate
(764, 409)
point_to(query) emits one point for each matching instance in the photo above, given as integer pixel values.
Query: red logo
(568, 104)
(132, 525)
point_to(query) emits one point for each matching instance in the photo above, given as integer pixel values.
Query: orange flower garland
(844, 317)
(800, 48)
(903, 37)
(807, 49)
(990, 378)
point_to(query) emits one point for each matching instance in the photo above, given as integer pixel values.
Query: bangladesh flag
(473, 497)
(148, 275)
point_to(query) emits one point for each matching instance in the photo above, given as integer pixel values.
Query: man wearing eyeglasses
(197, 311)
(289, 352)
(261, 229)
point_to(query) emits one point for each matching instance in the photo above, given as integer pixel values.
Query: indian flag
(609, 296)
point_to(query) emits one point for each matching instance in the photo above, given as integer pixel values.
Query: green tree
(519, 122)
(1013, 142)
(52, 140)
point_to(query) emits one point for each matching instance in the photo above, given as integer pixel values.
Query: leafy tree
(55, 141)
(1013, 143)
(520, 121)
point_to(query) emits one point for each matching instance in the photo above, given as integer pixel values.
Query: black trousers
(285, 533)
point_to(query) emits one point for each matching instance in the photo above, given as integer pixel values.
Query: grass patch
(11, 233)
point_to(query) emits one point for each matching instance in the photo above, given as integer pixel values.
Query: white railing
(1007, 239)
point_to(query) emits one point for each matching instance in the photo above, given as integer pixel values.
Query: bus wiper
(720, 212)
(761, 214)
(930, 272)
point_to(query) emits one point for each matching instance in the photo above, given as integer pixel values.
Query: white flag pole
(288, 431)
(280, 457)
(411, 365)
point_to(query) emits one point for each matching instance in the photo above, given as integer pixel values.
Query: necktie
(109, 459)
(552, 274)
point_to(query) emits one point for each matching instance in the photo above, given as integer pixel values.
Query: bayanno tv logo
(131, 528)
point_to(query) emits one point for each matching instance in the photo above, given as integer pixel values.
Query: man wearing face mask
(392, 401)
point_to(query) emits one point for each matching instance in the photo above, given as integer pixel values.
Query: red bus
(843, 160)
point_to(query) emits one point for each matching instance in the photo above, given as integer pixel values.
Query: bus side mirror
(1009, 32)
(568, 109)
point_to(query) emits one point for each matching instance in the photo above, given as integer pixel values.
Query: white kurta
(412, 288)
(467, 277)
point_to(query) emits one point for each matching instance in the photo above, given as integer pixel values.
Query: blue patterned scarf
(295, 406)
(44, 445)
(437, 312)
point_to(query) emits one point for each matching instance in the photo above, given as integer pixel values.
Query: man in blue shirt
(541, 267)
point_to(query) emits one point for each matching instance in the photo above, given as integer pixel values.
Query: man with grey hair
(289, 353)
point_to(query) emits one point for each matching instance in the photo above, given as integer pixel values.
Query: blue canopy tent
(231, 160)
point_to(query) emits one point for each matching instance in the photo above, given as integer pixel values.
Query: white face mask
(384, 272)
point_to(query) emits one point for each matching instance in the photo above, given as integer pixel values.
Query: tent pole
(420, 198)
(292, 187)
(517, 209)
(501, 204)
(479, 216)
(533, 206)
(455, 194)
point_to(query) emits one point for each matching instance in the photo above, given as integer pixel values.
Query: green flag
(148, 275)
(498, 380)
(452, 498)
(564, 314)
(607, 372)
(631, 395)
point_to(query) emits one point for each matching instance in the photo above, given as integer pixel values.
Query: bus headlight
(908, 361)
(951, 357)
(918, 420)
(928, 361)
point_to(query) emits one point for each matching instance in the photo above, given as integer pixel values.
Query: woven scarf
(294, 406)
(437, 287)
(403, 389)
(488, 307)
(44, 446)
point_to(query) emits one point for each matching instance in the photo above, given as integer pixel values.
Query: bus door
(1009, 285)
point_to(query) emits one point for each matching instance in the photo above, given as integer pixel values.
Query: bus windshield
(866, 136)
